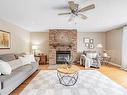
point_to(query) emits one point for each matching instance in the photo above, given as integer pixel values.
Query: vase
(69, 65)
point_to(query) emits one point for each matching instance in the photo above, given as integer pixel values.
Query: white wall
(99, 38)
(114, 45)
(19, 38)
(41, 39)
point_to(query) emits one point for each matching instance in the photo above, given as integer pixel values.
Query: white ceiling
(41, 15)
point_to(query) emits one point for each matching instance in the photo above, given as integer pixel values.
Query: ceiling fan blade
(64, 7)
(89, 7)
(71, 5)
(82, 16)
(64, 13)
(76, 7)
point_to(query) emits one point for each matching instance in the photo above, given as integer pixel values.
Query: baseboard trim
(114, 64)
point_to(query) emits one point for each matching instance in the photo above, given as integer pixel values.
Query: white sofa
(9, 82)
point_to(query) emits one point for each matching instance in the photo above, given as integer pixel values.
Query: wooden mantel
(61, 44)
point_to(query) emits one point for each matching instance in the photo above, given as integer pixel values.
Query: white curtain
(124, 49)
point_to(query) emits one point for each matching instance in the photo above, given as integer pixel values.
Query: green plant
(69, 61)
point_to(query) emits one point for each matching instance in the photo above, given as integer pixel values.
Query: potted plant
(69, 61)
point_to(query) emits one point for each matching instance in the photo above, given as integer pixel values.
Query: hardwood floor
(114, 73)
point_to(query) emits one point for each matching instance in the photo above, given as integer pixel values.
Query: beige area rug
(90, 82)
(53, 67)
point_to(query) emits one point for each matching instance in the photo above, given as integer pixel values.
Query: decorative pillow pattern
(5, 68)
(24, 60)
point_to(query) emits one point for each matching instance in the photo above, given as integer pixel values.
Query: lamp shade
(99, 46)
(34, 47)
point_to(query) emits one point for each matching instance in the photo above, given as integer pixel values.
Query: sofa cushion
(15, 75)
(7, 57)
(19, 55)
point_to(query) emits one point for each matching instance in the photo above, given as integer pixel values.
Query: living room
(43, 51)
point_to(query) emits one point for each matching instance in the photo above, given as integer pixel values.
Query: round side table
(67, 76)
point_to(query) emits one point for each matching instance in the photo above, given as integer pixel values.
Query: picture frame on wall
(86, 40)
(4, 39)
(91, 41)
(91, 46)
(87, 45)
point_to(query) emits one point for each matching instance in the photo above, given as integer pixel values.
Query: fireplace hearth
(61, 56)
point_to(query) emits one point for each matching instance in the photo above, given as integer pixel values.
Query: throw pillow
(5, 68)
(27, 59)
(30, 57)
(15, 63)
(91, 55)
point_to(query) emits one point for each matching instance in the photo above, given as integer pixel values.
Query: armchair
(90, 59)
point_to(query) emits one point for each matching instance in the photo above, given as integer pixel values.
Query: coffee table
(67, 76)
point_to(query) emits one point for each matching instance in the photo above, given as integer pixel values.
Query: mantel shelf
(62, 44)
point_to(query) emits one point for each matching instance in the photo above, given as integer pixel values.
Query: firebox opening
(61, 56)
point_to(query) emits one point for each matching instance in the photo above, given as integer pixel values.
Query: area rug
(90, 82)
(53, 67)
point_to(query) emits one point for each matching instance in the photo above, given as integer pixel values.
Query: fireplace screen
(61, 56)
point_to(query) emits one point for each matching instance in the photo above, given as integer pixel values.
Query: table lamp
(99, 47)
(34, 48)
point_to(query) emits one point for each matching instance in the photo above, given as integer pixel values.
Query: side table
(67, 76)
(42, 59)
(106, 60)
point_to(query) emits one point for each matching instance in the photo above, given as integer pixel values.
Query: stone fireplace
(62, 44)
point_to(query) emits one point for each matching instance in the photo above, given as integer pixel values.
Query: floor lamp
(99, 48)
(34, 48)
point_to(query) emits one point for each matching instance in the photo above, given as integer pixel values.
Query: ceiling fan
(75, 11)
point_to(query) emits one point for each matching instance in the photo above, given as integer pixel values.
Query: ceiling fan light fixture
(76, 12)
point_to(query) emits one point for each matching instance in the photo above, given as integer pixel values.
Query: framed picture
(86, 40)
(4, 40)
(91, 46)
(91, 41)
(87, 45)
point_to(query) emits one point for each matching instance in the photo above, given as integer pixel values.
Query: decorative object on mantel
(62, 44)
(89, 43)
(4, 40)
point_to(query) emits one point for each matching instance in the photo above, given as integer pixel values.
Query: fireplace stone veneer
(62, 40)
